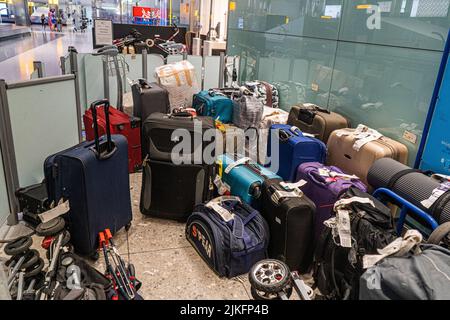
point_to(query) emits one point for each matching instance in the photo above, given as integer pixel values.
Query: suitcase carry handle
(144, 83)
(284, 134)
(110, 147)
(182, 114)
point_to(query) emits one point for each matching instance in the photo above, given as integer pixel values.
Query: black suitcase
(149, 98)
(172, 191)
(33, 200)
(158, 128)
(93, 176)
(291, 224)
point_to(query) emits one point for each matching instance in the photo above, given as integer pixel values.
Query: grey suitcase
(149, 98)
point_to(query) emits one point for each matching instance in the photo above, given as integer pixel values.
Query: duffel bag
(213, 103)
(362, 225)
(229, 235)
(266, 92)
(248, 111)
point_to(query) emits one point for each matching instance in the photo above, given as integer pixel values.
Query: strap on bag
(110, 147)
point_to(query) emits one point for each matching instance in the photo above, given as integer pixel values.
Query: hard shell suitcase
(149, 98)
(93, 176)
(158, 129)
(315, 120)
(213, 103)
(347, 150)
(325, 184)
(172, 191)
(120, 123)
(242, 177)
(294, 149)
(290, 215)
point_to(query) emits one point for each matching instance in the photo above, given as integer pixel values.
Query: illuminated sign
(146, 13)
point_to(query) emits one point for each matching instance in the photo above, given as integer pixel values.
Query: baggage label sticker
(343, 225)
(409, 136)
(314, 87)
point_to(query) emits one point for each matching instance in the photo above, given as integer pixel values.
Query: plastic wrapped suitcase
(158, 128)
(315, 120)
(172, 191)
(120, 123)
(242, 177)
(94, 177)
(213, 103)
(290, 215)
(325, 184)
(294, 149)
(355, 150)
(149, 98)
(248, 111)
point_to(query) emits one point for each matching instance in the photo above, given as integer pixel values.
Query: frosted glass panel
(134, 70)
(197, 62)
(93, 79)
(4, 204)
(212, 71)
(174, 58)
(153, 61)
(43, 121)
(386, 88)
(414, 23)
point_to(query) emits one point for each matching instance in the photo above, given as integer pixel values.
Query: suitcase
(266, 92)
(149, 98)
(343, 152)
(315, 120)
(33, 200)
(248, 111)
(291, 219)
(214, 104)
(158, 129)
(324, 187)
(242, 177)
(94, 177)
(172, 191)
(120, 123)
(295, 148)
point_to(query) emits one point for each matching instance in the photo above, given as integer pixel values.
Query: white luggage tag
(59, 210)
(237, 163)
(222, 187)
(292, 190)
(225, 214)
(436, 194)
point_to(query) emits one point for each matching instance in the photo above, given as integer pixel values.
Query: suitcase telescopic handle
(110, 149)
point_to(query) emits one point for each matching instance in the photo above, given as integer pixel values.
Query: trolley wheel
(261, 295)
(51, 228)
(95, 256)
(270, 275)
(35, 269)
(440, 234)
(31, 258)
(18, 246)
(128, 227)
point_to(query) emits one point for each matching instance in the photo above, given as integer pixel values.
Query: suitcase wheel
(268, 278)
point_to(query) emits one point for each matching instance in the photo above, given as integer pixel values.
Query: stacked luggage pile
(310, 203)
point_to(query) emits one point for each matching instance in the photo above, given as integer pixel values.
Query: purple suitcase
(324, 191)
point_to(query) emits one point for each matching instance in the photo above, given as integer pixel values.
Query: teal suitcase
(214, 104)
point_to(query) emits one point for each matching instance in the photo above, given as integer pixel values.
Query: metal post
(9, 155)
(106, 79)
(203, 72)
(144, 64)
(74, 70)
(185, 56)
(62, 64)
(38, 65)
(222, 70)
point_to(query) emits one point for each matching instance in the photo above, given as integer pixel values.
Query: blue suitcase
(93, 176)
(243, 177)
(214, 104)
(295, 148)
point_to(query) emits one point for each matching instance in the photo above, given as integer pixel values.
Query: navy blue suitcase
(295, 148)
(93, 176)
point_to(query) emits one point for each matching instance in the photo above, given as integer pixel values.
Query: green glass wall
(373, 61)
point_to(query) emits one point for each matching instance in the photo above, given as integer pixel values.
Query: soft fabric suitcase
(325, 184)
(33, 200)
(212, 103)
(172, 191)
(149, 98)
(242, 177)
(315, 120)
(229, 235)
(94, 177)
(157, 133)
(295, 148)
(266, 92)
(247, 111)
(290, 215)
(355, 150)
(120, 123)
(291, 93)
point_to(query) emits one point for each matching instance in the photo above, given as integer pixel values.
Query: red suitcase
(120, 123)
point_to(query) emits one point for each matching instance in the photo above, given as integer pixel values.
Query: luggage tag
(59, 210)
(222, 187)
(436, 194)
(225, 214)
(344, 228)
(292, 190)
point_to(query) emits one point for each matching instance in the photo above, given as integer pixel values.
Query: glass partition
(153, 61)
(212, 70)
(36, 135)
(4, 203)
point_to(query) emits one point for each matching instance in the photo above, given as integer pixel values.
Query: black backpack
(337, 269)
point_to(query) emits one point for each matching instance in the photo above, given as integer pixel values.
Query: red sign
(146, 13)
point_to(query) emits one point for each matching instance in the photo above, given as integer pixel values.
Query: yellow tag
(314, 87)
(409, 136)
(232, 5)
(363, 6)
(220, 167)
(326, 17)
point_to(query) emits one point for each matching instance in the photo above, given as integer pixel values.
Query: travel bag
(172, 191)
(290, 215)
(212, 103)
(355, 150)
(265, 92)
(93, 176)
(325, 184)
(33, 200)
(149, 98)
(242, 177)
(119, 123)
(295, 148)
(229, 235)
(248, 111)
(365, 225)
(158, 135)
(290, 93)
(315, 120)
